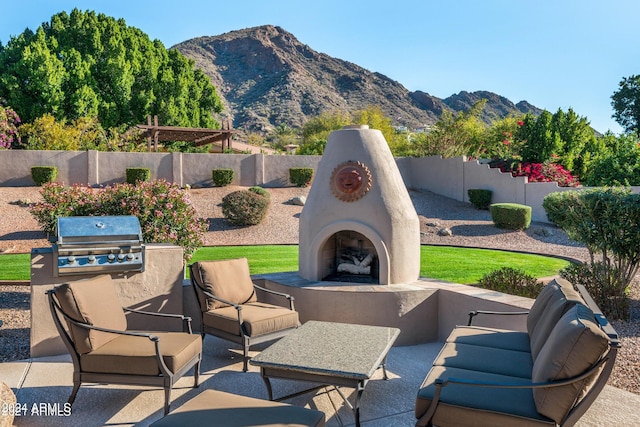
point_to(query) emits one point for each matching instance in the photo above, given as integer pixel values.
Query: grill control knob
(120, 257)
(130, 257)
(111, 257)
(71, 259)
(91, 259)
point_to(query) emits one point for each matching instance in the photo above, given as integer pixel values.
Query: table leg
(356, 408)
(384, 368)
(268, 384)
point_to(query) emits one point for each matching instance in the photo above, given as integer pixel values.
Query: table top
(328, 348)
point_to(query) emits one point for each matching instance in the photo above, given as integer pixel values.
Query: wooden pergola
(198, 136)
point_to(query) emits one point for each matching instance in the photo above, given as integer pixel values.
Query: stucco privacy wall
(448, 177)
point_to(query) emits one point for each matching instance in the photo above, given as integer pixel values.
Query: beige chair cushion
(218, 408)
(257, 318)
(137, 355)
(490, 337)
(542, 319)
(226, 279)
(485, 359)
(93, 301)
(575, 344)
(478, 406)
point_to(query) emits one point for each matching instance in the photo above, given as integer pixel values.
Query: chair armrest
(474, 313)
(186, 320)
(290, 298)
(222, 300)
(111, 331)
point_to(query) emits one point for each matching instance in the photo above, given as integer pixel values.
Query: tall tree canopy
(626, 104)
(87, 64)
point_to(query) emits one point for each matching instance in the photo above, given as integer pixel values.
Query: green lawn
(458, 265)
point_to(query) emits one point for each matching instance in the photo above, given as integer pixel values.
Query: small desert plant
(135, 175)
(244, 207)
(260, 191)
(512, 281)
(511, 215)
(479, 198)
(300, 177)
(222, 177)
(44, 174)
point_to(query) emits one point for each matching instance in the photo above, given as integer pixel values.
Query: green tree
(316, 130)
(453, 136)
(86, 64)
(615, 162)
(626, 104)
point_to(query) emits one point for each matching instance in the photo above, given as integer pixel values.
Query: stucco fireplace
(359, 224)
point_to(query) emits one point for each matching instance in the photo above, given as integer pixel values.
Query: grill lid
(99, 229)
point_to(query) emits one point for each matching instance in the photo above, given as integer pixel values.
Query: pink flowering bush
(9, 122)
(538, 172)
(165, 211)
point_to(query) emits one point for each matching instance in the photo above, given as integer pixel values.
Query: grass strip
(453, 264)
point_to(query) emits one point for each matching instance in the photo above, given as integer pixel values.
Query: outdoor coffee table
(328, 353)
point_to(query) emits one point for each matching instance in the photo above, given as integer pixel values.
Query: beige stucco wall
(158, 288)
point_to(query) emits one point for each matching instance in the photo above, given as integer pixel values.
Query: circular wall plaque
(350, 181)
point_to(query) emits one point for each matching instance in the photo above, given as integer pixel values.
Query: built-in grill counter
(98, 244)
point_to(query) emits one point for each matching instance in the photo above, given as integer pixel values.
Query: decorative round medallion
(350, 181)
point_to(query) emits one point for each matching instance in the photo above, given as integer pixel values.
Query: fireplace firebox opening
(349, 256)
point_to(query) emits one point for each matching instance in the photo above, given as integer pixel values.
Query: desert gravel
(468, 226)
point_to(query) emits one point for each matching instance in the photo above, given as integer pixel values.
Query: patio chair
(103, 351)
(222, 409)
(230, 308)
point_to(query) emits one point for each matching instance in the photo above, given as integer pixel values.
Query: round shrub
(222, 177)
(135, 175)
(244, 207)
(300, 177)
(479, 198)
(260, 191)
(44, 174)
(512, 281)
(512, 216)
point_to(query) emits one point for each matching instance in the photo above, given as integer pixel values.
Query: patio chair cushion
(575, 344)
(464, 405)
(133, 355)
(485, 359)
(226, 279)
(218, 408)
(257, 319)
(559, 296)
(491, 337)
(93, 301)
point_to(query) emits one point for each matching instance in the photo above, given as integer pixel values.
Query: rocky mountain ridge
(266, 78)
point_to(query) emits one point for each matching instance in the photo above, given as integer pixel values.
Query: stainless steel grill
(98, 244)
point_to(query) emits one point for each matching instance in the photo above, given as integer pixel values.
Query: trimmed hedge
(479, 198)
(222, 177)
(512, 216)
(244, 207)
(135, 175)
(43, 174)
(300, 177)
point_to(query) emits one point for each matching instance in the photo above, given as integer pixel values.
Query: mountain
(266, 78)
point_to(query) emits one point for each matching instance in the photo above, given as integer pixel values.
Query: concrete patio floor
(384, 403)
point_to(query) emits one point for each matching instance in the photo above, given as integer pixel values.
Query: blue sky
(551, 53)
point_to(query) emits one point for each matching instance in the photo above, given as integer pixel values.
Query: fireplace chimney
(359, 223)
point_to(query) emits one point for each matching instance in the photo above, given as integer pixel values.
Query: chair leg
(167, 398)
(196, 374)
(74, 392)
(246, 357)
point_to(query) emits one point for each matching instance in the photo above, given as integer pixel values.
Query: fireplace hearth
(359, 224)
